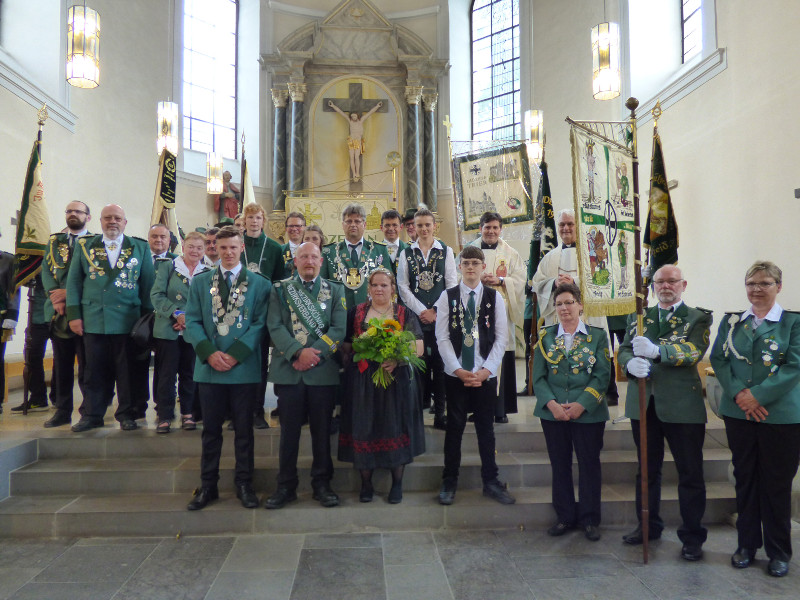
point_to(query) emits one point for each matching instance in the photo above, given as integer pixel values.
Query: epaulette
(329, 247)
(377, 243)
(133, 237)
(734, 312)
(794, 312)
(163, 259)
(55, 235)
(708, 311)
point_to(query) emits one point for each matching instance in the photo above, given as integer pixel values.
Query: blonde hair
(253, 208)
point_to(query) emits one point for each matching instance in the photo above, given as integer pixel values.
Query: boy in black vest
(471, 330)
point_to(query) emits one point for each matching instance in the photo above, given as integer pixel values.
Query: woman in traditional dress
(380, 428)
(570, 379)
(756, 359)
(174, 356)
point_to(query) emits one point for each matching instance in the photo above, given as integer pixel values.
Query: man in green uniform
(295, 225)
(307, 320)
(391, 224)
(225, 321)
(108, 289)
(352, 260)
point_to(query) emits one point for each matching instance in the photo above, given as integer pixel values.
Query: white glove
(646, 270)
(638, 367)
(645, 348)
(9, 324)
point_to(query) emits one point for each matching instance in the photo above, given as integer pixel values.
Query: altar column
(429, 157)
(296, 165)
(279, 98)
(414, 169)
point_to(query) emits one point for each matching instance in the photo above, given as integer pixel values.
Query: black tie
(309, 285)
(353, 253)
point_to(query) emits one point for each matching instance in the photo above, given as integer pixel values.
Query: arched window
(495, 70)
(209, 76)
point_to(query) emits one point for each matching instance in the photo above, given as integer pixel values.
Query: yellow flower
(392, 323)
(372, 332)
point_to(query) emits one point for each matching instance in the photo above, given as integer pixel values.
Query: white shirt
(774, 315)
(450, 275)
(293, 247)
(234, 271)
(157, 256)
(568, 337)
(180, 267)
(359, 246)
(113, 255)
(391, 248)
(452, 362)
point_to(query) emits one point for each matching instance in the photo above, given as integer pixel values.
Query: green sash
(308, 312)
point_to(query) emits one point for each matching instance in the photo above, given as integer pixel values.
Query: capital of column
(298, 91)
(429, 101)
(413, 94)
(279, 97)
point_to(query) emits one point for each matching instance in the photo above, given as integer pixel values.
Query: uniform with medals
(109, 297)
(338, 265)
(305, 318)
(573, 370)
(420, 282)
(230, 318)
(67, 347)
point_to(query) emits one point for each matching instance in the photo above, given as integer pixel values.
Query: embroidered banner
(605, 227)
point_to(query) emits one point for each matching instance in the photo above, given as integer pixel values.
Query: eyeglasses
(295, 226)
(567, 303)
(75, 211)
(471, 263)
(667, 281)
(353, 221)
(760, 285)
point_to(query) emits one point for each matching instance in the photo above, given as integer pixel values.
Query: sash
(309, 313)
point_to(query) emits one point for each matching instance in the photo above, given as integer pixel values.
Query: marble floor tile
(31, 554)
(340, 574)
(193, 547)
(481, 573)
(171, 579)
(679, 581)
(267, 585)
(264, 553)
(13, 578)
(417, 582)
(625, 587)
(409, 548)
(96, 564)
(67, 591)
(466, 539)
(342, 540)
(566, 566)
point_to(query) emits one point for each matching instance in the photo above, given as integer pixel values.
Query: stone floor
(424, 565)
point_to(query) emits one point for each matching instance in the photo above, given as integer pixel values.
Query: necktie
(353, 253)
(309, 285)
(72, 237)
(665, 313)
(228, 277)
(468, 352)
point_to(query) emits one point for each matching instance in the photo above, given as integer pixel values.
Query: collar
(673, 308)
(564, 246)
(162, 255)
(293, 246)
(235, 270)
(392, 244)
(774, 313)
(436, 244)
(118, 241)
(357, 244)
(581, 329)
(485, 246)
(465, 289)
(303, 281)
(81, 233)
(180, 267)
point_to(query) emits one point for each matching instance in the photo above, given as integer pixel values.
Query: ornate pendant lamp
(534, 128)
(605, 61)
(83, 46)
(214, 168)
(167, 128)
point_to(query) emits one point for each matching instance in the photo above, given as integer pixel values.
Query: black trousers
(587, 441)
(480, 402)
(2, 372)
(295, 402)
(65, 351)
(686, 444)
(107, 365)
(174, 359)
(258, 397)
(527, 329)
(765, 459)
(433, 377)
(36, 336)
(140, 379)
(217, 401)
(507, 396)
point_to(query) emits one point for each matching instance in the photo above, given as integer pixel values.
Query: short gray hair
(769, 268)
(565, 211)
(354, 208)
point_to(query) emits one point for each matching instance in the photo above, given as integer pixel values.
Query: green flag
(33, 224)
(544, 231)
(661, 230)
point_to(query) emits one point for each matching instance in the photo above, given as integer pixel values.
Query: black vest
(486, 326)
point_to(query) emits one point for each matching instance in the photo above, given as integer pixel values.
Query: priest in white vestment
(506, 273)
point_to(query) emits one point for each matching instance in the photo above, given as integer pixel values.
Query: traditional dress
(380, 428)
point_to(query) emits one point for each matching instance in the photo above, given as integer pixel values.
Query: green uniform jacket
(337, 266)
(580, 375)
(109, 300)
(766, 361)
(674, 381)
(170, 293)
(401, 245)
(56, 267)
(288, 259)
(242, 343)
(279, 323)
(271, 263)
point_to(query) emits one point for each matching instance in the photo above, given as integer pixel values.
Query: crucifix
(349, 108)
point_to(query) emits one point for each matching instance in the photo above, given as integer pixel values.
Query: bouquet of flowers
(382, 341)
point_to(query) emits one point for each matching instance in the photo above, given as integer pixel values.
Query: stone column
(413, 163)
(279, 98)
(297, 136)
(429, 153)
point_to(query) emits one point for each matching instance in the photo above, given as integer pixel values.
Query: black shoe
(87, 423)
(259, 422)
(128, 425)
(634, 538)
(560, 529)
(742, 558)
(17, 410)
(501, 420)
(274, 413)
(396, 493)
(778, 568)
(692, 552)
(58, 419)
(366, 493)
(326, 497)
(496, 490)
(280, 498)
(447, 493)
(246, 494)
(202, 496)
(591, 532)
(440, 423)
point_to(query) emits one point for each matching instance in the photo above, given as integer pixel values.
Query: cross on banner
(355, 102)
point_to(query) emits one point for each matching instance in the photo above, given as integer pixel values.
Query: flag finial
(656, 112)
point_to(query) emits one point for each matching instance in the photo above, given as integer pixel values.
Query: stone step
(161, 515)
(181, 474)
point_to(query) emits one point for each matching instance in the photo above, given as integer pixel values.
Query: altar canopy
(603, 201)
